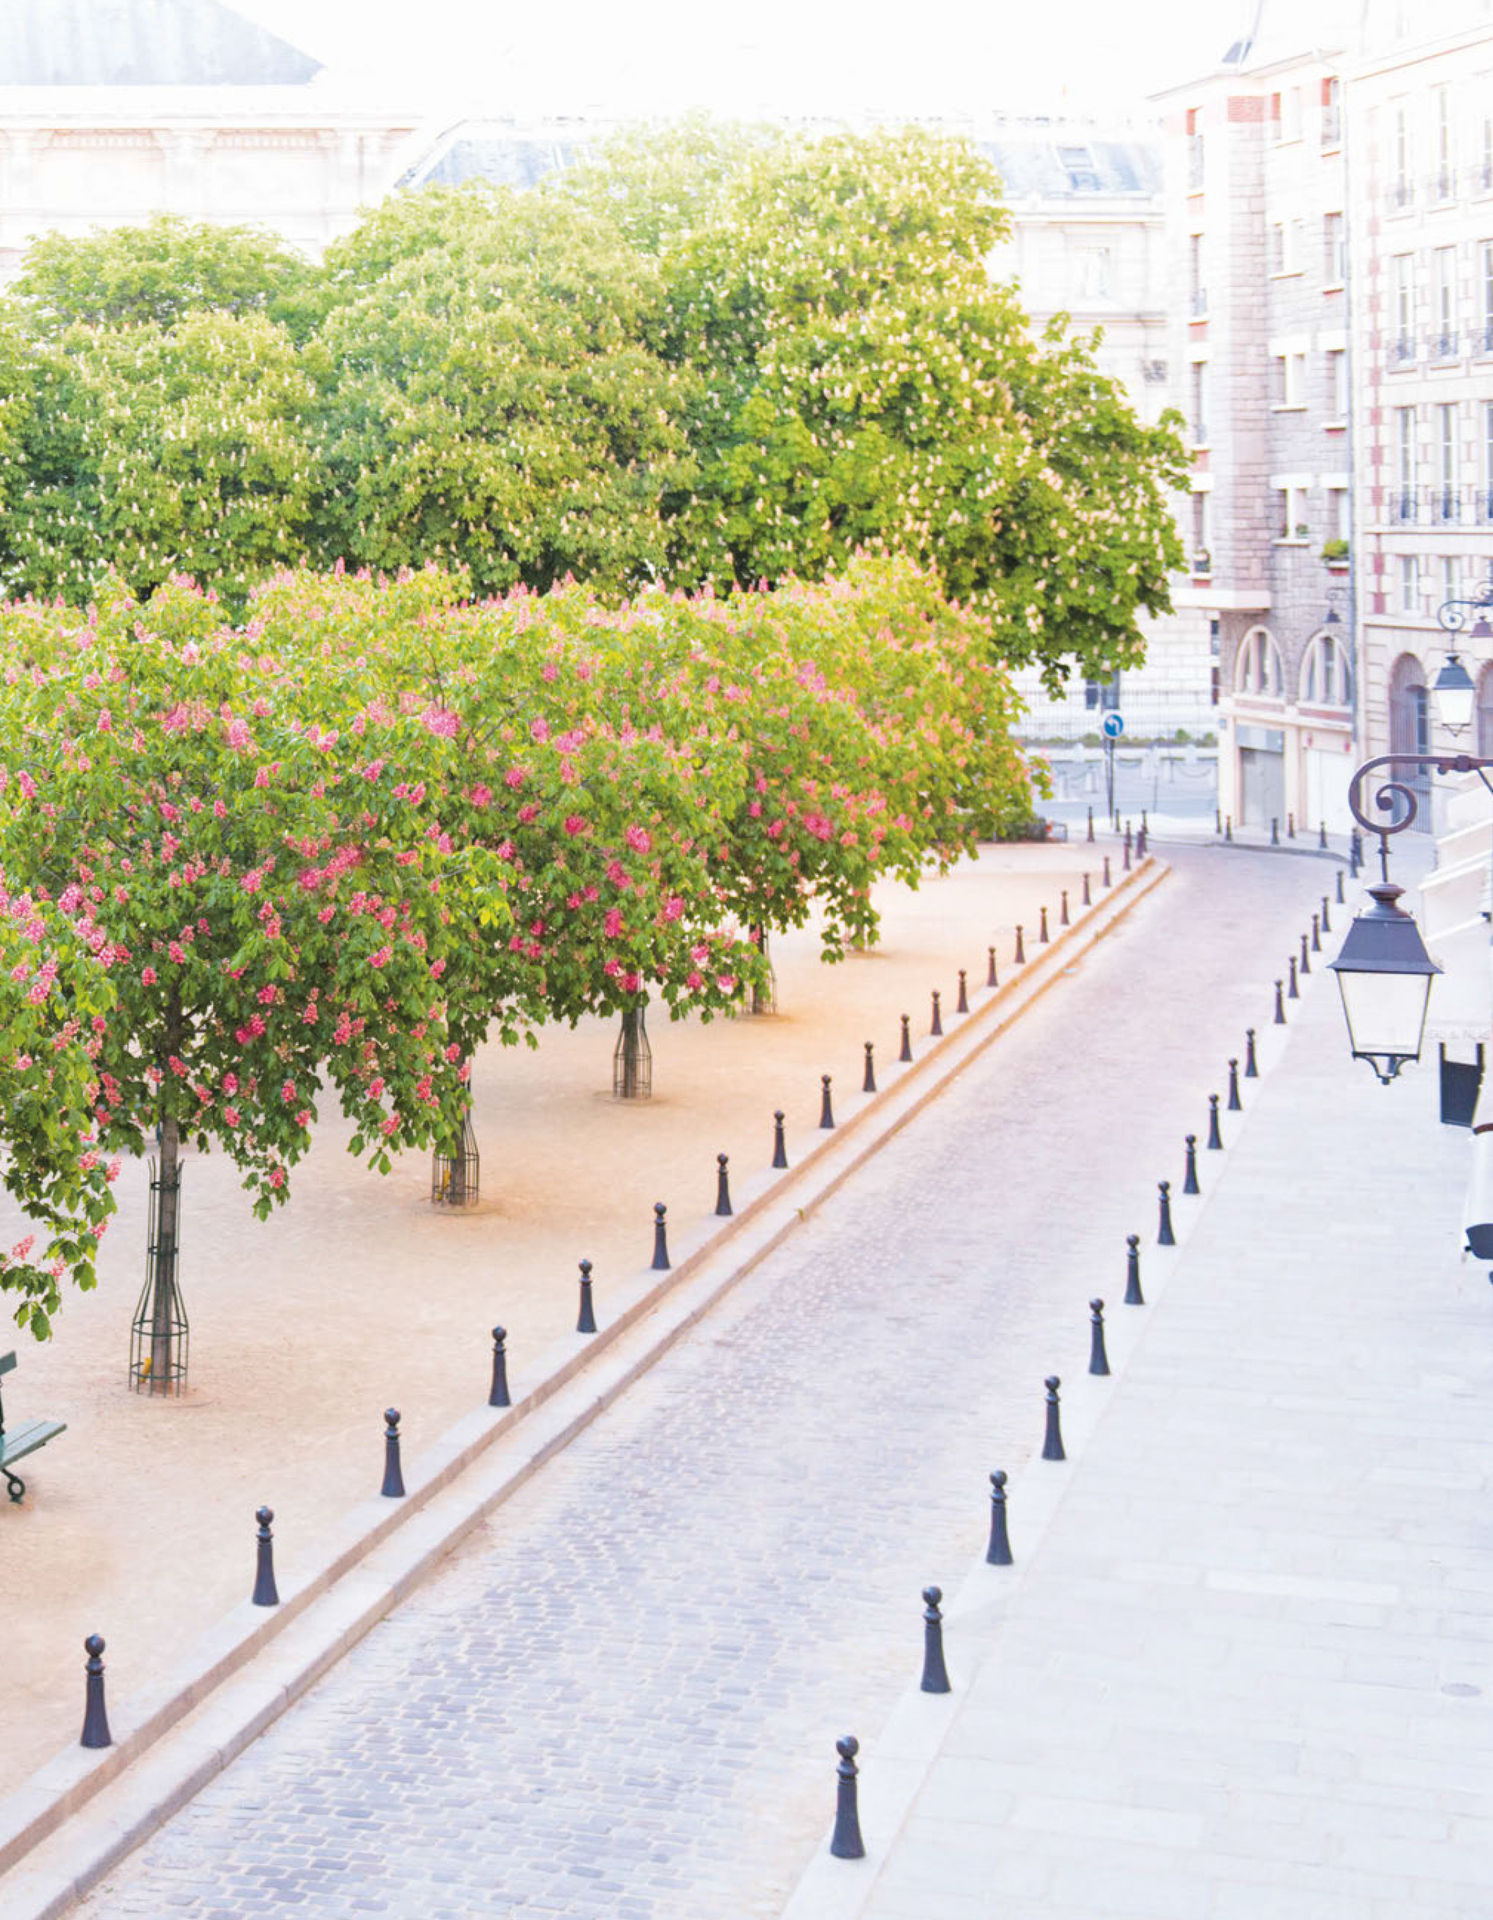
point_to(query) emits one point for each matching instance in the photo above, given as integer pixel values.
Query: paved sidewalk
(1248, 1668)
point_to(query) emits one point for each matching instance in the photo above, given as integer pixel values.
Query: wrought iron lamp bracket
(1393, 795)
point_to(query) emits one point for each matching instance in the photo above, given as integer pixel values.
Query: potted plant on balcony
(1202, 561)
(1335, 553)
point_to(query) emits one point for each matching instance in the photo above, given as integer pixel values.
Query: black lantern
(1384, 974)
(1454, 693)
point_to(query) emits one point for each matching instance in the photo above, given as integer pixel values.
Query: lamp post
(1454, 692)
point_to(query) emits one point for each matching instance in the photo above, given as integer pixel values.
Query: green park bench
(17, 1442)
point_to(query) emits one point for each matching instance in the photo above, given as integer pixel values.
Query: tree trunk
(765, 994)
(163, 1298)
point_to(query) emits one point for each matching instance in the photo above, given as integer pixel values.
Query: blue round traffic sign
(1113, 725)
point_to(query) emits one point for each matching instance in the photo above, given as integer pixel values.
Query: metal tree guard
(456, 1178)
(159, 1334)
(632, 1062)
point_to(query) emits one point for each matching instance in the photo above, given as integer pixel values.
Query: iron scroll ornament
(1396, 798)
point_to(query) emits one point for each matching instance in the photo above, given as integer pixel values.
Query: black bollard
(1317, 931)
(1326, 916)
(1280, 1008)
(961, 1005)
(991, 978)
(1340, 900)
(1306, 959)
(660, 1238)
(266, 1593)
(1236, 1105)
(906, 1053)
(95, 1716)
(1020, 949)
(1164, 1235)
(1190, 1179)
(585, 1321)
(1042, 934)
(1251, 1069)
(1090, 834)
(1125, 855)
(998, 1553)
(1107, 881)
(1140, 844)
(1133, 1295)
(1098, 1358)
(846, 1843)
(826, 1111)
(1290, 826)
(1322, 836)
(723, 1206)
(1052, 1442)
(497, 1395)
(1088, 898)
(935, 1673)
(1145, 825)
(1293, 991)
(1275, 833)
(868, 1084)
(1228, 828)
(935, 1026)
(1215, 1138)
(393, 1487)
(779, 1144)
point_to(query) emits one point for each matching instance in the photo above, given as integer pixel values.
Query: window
(1401, 191)
(1485, 171)
(1290, 114)
(1448, 577)
(1405, 447)
(1202, 557)
(1199, 405)
(1442, 175)
(1093, 273)
(1194, 151)
(1291, 521)
(1337, 384)
(1257, 670)
(1332, 112)
(1485, 286)
(1078, 164)
(1409, 583)
(1444, 334)
(1325, 679)
(1339, 519)
(1487, 500)
(1275, 117)
(1276, 257)
(1402, 346)
(1335, 263)
(1445, 501)
(1195, 273)
(1290, 380)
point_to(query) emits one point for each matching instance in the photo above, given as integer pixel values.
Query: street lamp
(1384, 975)
(1454, 693)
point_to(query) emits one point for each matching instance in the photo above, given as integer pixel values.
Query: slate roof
(1062, 161)
(142, 43)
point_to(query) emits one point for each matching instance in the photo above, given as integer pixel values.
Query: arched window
(1484, 713)
(1326, 678)
(1410, 729)
(1257, 670)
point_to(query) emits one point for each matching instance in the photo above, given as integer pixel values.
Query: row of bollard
(847, 1842)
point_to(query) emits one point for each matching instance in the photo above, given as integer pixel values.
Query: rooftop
(142, 43)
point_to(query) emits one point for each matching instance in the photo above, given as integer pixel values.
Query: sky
(781, 56)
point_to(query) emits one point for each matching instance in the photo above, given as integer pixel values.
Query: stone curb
(83, 1811)
(897, 1761)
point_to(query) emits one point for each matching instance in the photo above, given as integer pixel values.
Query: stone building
(1257, 204)
(114, 110)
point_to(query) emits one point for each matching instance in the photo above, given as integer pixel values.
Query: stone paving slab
(619, 1697)
(1248, 1667)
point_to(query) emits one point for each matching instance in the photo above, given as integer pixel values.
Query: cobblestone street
(620, 1697)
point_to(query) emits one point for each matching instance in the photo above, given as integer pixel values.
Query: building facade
(1258, 217)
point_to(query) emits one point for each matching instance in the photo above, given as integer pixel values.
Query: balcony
(1441, 188)
(1440, 506)
(1445, 505)
(1401, 196)
(1402, 507)
(1443, 345)
(1482, 338)
(1401, 350)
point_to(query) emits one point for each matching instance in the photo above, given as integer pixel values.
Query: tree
(270, 927)
(862, 382)
(487, 399)
(155, 274)
(150, 451)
